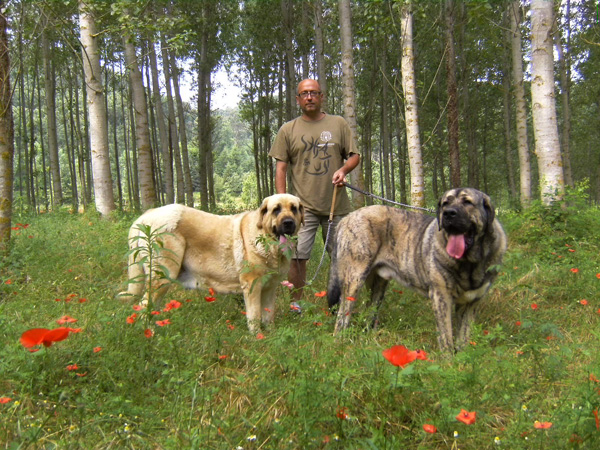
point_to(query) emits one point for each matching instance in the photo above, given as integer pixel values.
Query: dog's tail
(334, 288)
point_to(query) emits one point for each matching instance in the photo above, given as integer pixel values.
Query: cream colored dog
(230, 254)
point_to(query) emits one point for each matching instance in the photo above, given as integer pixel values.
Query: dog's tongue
(456, 245)
(282, 239)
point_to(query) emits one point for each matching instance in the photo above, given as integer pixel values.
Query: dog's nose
(289, 226)
(450, 213)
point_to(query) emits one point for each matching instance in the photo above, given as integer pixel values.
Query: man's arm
(340, 174)
(280, 176)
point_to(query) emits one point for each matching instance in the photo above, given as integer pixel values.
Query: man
(318, 150)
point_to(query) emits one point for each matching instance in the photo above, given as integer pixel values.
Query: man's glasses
(305, 94)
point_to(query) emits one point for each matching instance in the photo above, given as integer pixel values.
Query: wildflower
(155, 313)
(222, 356)
(524, 407)
(82, 300)
(231, 327)
(74, 330)
(131, 318)
(598, 276)
(211, 292)
(321, 294)
(251, 438)
(260, 336)
(37, 336)
(497, 440)
(534, 306)
(267, 310)
(66, 319)
(596, 418)
(542, 425)
(210, 299)
(456, 434)
(81, 374)
(137, 307)
(72, 367)
(428, 428)
(8, 282)
(173, 304)
(518, 323)
(571, 250)
(148, 333)
(594, 378)
(162, 323)
(466, 417)
(341, 413)
(400, 356)
(575, 270)
(294, 307)
(317, 324)
(287, 284)
(97, 349)
(4, 400)
(583, 302)
(351, 299)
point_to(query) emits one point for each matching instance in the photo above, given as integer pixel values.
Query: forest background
(460, 71)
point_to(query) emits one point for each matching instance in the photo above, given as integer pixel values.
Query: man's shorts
(308, 231)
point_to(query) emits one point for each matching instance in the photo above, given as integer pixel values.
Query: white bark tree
(520, 104)
(142, 131)
(349, 92)
(417, 183)
(545, 125)
(101, 175)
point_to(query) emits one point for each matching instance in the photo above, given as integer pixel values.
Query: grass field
(203, 382)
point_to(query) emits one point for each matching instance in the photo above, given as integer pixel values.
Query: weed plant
(202, 381)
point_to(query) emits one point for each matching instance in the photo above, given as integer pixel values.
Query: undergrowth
(202, 381)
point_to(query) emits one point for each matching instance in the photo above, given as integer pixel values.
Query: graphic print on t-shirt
(316, 154)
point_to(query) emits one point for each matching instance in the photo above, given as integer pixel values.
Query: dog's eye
(294, 209)
(466, 201)
(277, 209)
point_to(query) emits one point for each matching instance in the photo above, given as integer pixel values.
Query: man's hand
(338, 177)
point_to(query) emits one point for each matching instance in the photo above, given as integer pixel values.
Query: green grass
(204, 382)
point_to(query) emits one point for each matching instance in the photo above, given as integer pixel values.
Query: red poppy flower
(137, 307)
(267, 310)
(82, 300)
(81, 374)
(287, 284)
(466, 417)
(260, 336)
(594, 378)
(37, 336)
(97, 349)
(66, 319)
(231, 327)
(518, 323)
(222, 356)
(155, 313)
(429, 428)
(584, 302)
(317, 324)
(595, 412)
(400, 356)
(598, 276)
(294, 307)
(4, 400)
(321, 294)
(8, 282)
(131, 318)
(148, 333)
(351, 299)
(575, 270)
(173, 304)
(210, 299)
(211, 292)
(341, 413)
(534, 306)
(162, 323)
(71, 367)
(542, 425)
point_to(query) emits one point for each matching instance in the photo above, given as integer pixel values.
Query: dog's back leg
(377, 285)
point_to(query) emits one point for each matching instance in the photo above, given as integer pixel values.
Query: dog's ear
(264, 208)
(489, 210)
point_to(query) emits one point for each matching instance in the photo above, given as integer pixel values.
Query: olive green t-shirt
(314, 150)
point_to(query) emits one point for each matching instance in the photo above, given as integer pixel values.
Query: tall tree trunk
(142, 132)
(185, 161)
(411, 116)
(103, 187)
(386, 162)
(564, 69)
(506, 83)
(287, 13)
(162, 129)
(173, 134)
(50, 89)
(545, 126)
(203, 123)
(319, 50)
(116, 138)
(453, 148)
(520, 104)
(7, 149)
(348, 92)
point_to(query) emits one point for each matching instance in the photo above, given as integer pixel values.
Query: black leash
(369, 194)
